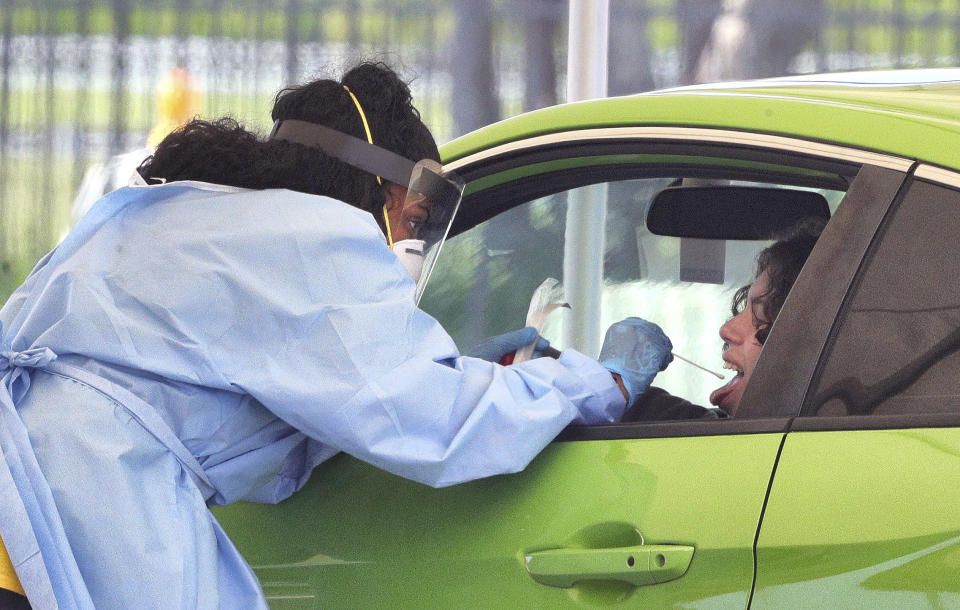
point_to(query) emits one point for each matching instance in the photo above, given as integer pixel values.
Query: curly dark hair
(223, 152)
(782, 262)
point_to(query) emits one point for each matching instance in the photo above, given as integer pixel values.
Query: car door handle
(646, 564)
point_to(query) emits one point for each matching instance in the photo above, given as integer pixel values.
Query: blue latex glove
(495, 348)
(636, 350)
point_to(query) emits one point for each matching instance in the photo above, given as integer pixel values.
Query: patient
(755, 307)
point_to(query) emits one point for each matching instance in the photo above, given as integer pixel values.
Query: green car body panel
(407, 545)
(842, 529)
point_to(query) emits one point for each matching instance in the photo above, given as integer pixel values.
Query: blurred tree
(475, 104)
(291, 68)
(475, 100)
(630, 71)
(759, 38)
(630, 55)
(695, 20)
(118, 90)
(541, 20)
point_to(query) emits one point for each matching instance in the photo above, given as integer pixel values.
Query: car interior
(683, 228)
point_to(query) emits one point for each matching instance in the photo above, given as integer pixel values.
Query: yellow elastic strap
(366, 128)
(386, 223)
(363, 117)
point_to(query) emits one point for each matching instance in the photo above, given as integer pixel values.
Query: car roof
(908, 113)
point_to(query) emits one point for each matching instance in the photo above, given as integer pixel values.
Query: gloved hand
(495, 348)
(636, 350)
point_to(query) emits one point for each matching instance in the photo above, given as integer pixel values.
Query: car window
(484, 280)
(897, 341)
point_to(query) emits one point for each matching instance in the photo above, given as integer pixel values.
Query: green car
(837, 482)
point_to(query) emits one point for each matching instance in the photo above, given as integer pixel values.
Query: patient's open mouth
(719, 396)
(732, 367)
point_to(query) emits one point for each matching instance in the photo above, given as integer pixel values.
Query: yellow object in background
(177, 103)
(8, 578)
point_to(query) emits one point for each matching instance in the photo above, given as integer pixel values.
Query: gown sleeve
(297, 301)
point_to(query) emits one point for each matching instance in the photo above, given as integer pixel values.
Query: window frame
(808, 420)
(762, 415)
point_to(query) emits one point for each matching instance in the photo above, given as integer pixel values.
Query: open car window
(484, 280)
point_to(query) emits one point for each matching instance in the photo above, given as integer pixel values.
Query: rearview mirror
(731, 212)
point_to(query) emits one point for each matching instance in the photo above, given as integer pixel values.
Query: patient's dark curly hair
(223, 152)
(782, 262)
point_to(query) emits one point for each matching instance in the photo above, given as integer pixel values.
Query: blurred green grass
(91, 110)
(324, 22)
(30, 227)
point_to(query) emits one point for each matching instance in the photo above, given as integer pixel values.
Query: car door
(648, 514)
(863, 511)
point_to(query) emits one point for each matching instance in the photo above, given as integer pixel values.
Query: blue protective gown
(190, 344)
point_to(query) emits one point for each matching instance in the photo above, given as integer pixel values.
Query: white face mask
(410, 253)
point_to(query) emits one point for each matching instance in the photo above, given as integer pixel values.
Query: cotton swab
(702, 368)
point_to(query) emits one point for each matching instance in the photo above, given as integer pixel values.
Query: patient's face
(742, 349)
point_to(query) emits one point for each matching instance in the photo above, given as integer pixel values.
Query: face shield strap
(386, 225)
(374, 160)
(352, 151)
(363, 119)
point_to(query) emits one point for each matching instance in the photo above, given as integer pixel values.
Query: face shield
(438, 194)
(433, 195)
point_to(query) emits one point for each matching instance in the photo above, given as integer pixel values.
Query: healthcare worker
(215, 333)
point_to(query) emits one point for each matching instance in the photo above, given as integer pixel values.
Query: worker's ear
(395, 196)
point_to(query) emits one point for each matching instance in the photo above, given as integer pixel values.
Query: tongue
(717, 396)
